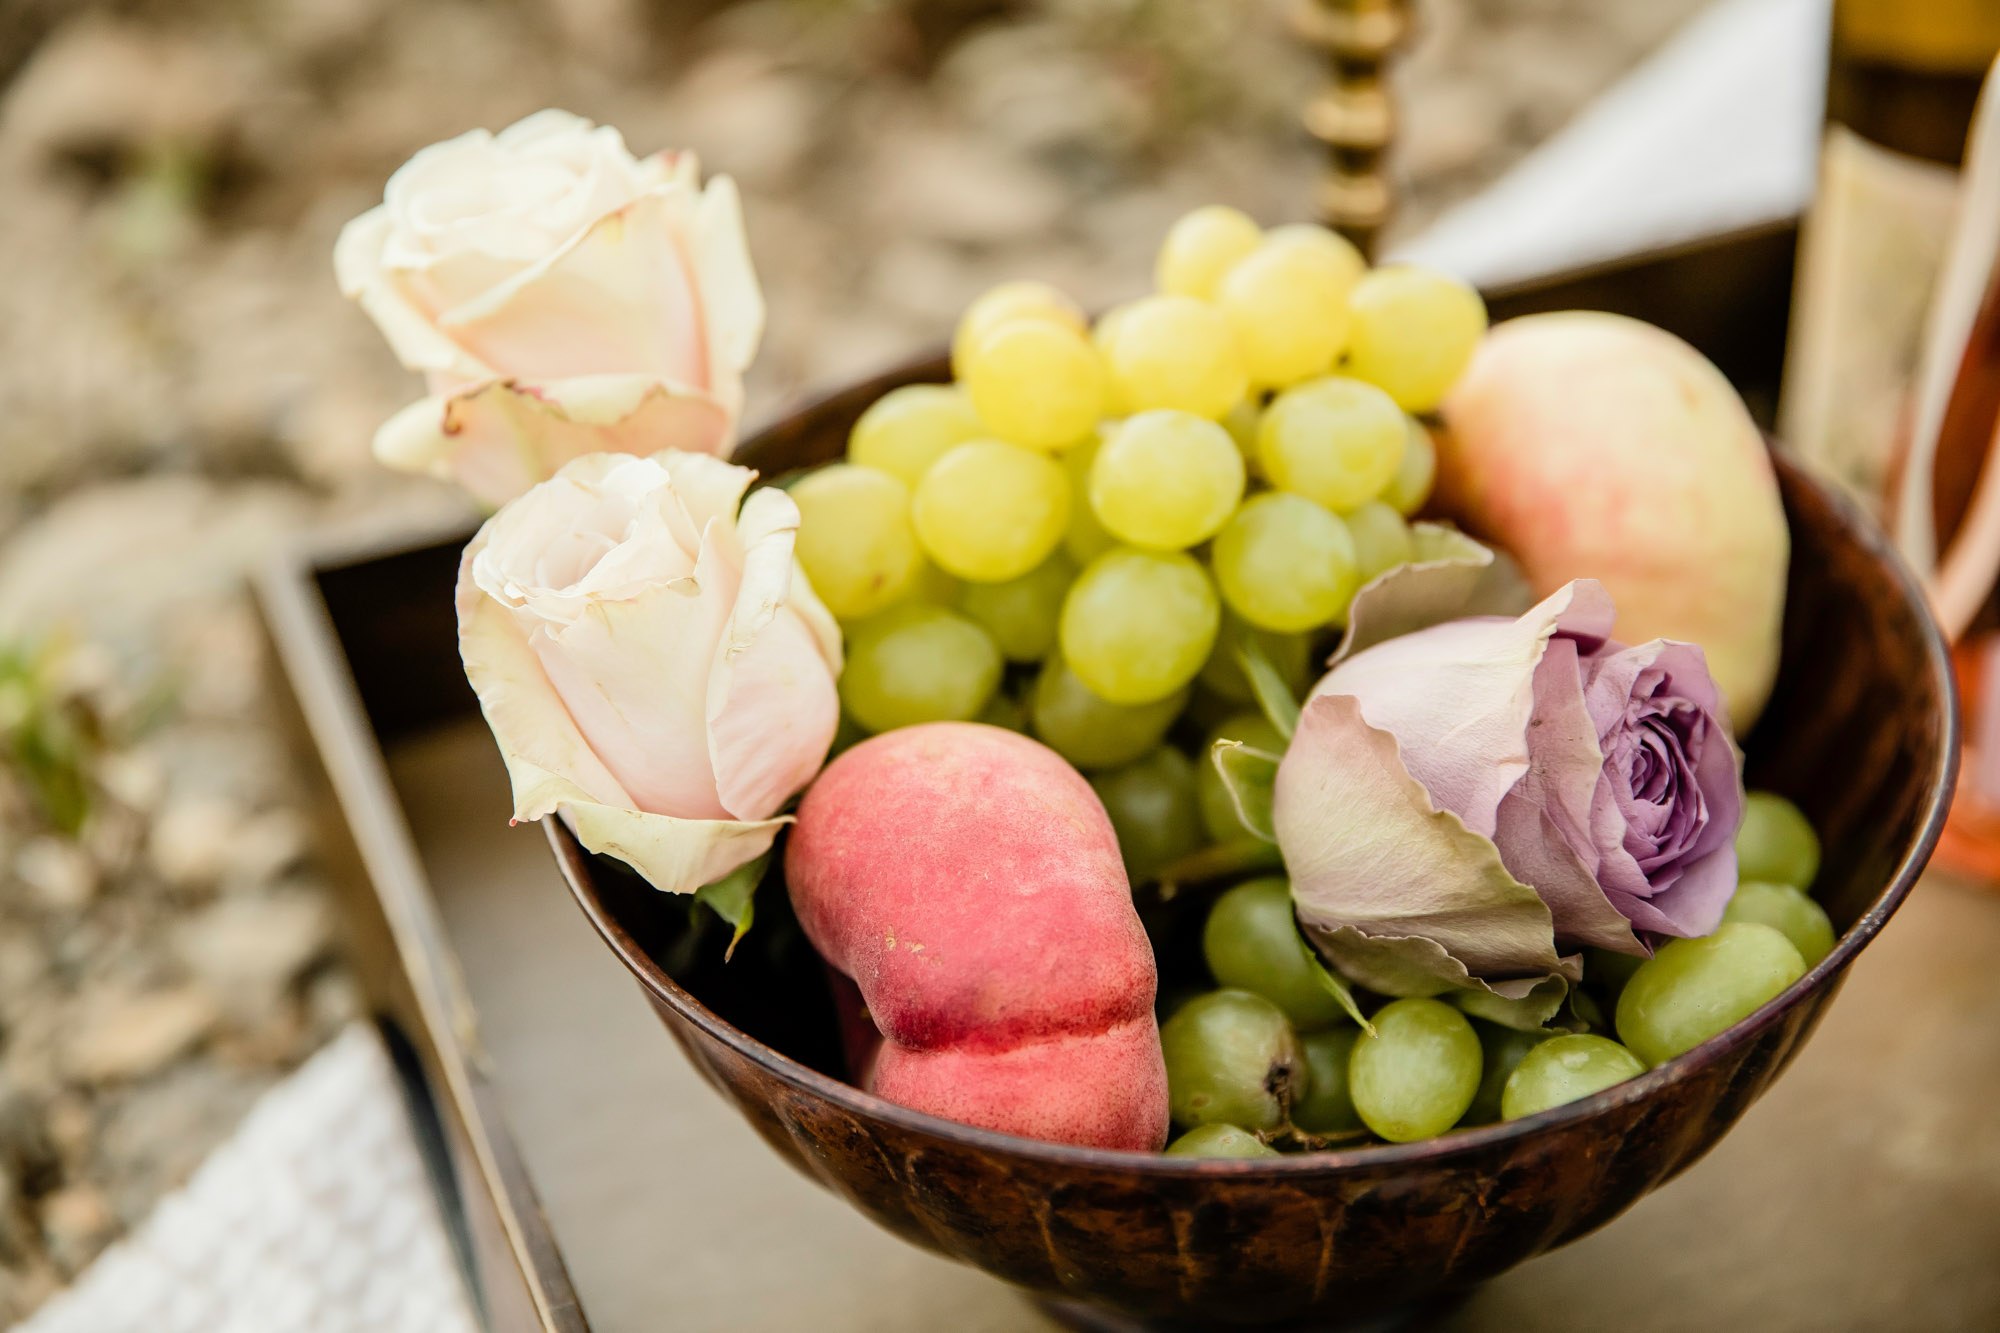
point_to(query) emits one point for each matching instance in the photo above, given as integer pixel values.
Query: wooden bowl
(1862, 733)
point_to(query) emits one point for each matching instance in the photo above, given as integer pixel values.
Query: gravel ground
(180, 383)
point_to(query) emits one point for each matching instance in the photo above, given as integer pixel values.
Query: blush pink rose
(561, 298)
(652, 662)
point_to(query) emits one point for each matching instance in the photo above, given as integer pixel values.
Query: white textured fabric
(316, 1217)
(1717, 130)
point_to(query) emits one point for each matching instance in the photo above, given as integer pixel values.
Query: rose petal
(415, 339)
(1367, 848)
(1458, 696)
(499, 438)
(1452, 577)
(675, 855)
(1411, 965)
(617, 297)
(1543, 827)
(548, 760)
(772, 709)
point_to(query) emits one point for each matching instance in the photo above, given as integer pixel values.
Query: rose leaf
(1266, 682)
(734, 898)
(1249, 775)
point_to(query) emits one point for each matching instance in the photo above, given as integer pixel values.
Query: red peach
(966, 878)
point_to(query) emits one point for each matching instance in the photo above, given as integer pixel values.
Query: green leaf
(1336, 985)
(1268, 684)
(1250, 777)
(734, 898)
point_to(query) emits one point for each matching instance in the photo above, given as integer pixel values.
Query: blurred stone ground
(180, 384)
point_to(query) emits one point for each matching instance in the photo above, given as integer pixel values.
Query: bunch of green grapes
(1271, 1060)
(1081, 533)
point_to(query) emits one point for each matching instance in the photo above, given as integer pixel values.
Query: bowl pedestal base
(1087, 1318)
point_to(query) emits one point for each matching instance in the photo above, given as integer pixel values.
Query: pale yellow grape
(1321, 238)
(1381, 538)
(1175, 351)
(932, 586)
(1414, 332)
(1085, 539)
(990, 511)
(916, 663)
(1101, 335)
(1288, 306)
(1416, 472)
(1166, 480)
(1241, 423)
(1010, 300)
(1201, 247)
(1336, 441)
(1137, 625)
(1035, 383)
(1283, 563)
(906, 430)
(855, 540)
(1092, 732)
(1021, 614)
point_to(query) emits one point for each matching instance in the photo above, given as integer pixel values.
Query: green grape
(1232, 1059)
(1692, 990)
(1004, 710)
(1175, 351)
(1291, 654)
(1327, 1107)
(1251, 942)
(1038, 384)
(1416, 1076)
(1241, 423)
(932, 586)
(1788, 911)
(991, 512)
(917, 663)
(1334, 440)
(908, 429)
(1288, 306)
(1010, 300)
(1021, 614)
(1501, 1049)
(1091, 732)
(1201, 247)
(1566, 1069)
(1220, 1141)
(1137, 625)
(1416, 472)
(1284, 563)
(1085, 539)
(1218, 811)
(1414, 333)
(1166, 480)
(855, 541)
(1381, 539)
(1151, 802)
(1775, 843)
(1610, 970)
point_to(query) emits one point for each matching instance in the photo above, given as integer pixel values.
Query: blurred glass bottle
(1905, 76)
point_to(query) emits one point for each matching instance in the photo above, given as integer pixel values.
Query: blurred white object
(1717, 131)
(316, 1216)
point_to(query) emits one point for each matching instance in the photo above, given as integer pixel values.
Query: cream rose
(653, 663)
(561, 297)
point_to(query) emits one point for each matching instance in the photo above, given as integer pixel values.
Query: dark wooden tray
(1863, 1191)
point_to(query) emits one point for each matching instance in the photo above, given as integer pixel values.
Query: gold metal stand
(1354, 116)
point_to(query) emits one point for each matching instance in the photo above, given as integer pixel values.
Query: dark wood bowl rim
(574, 862)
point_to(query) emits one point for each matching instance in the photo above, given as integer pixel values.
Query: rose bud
(653, 664)
(561, 297)
(1464, 804)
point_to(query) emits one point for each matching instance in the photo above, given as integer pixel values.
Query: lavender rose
(1465, 804)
